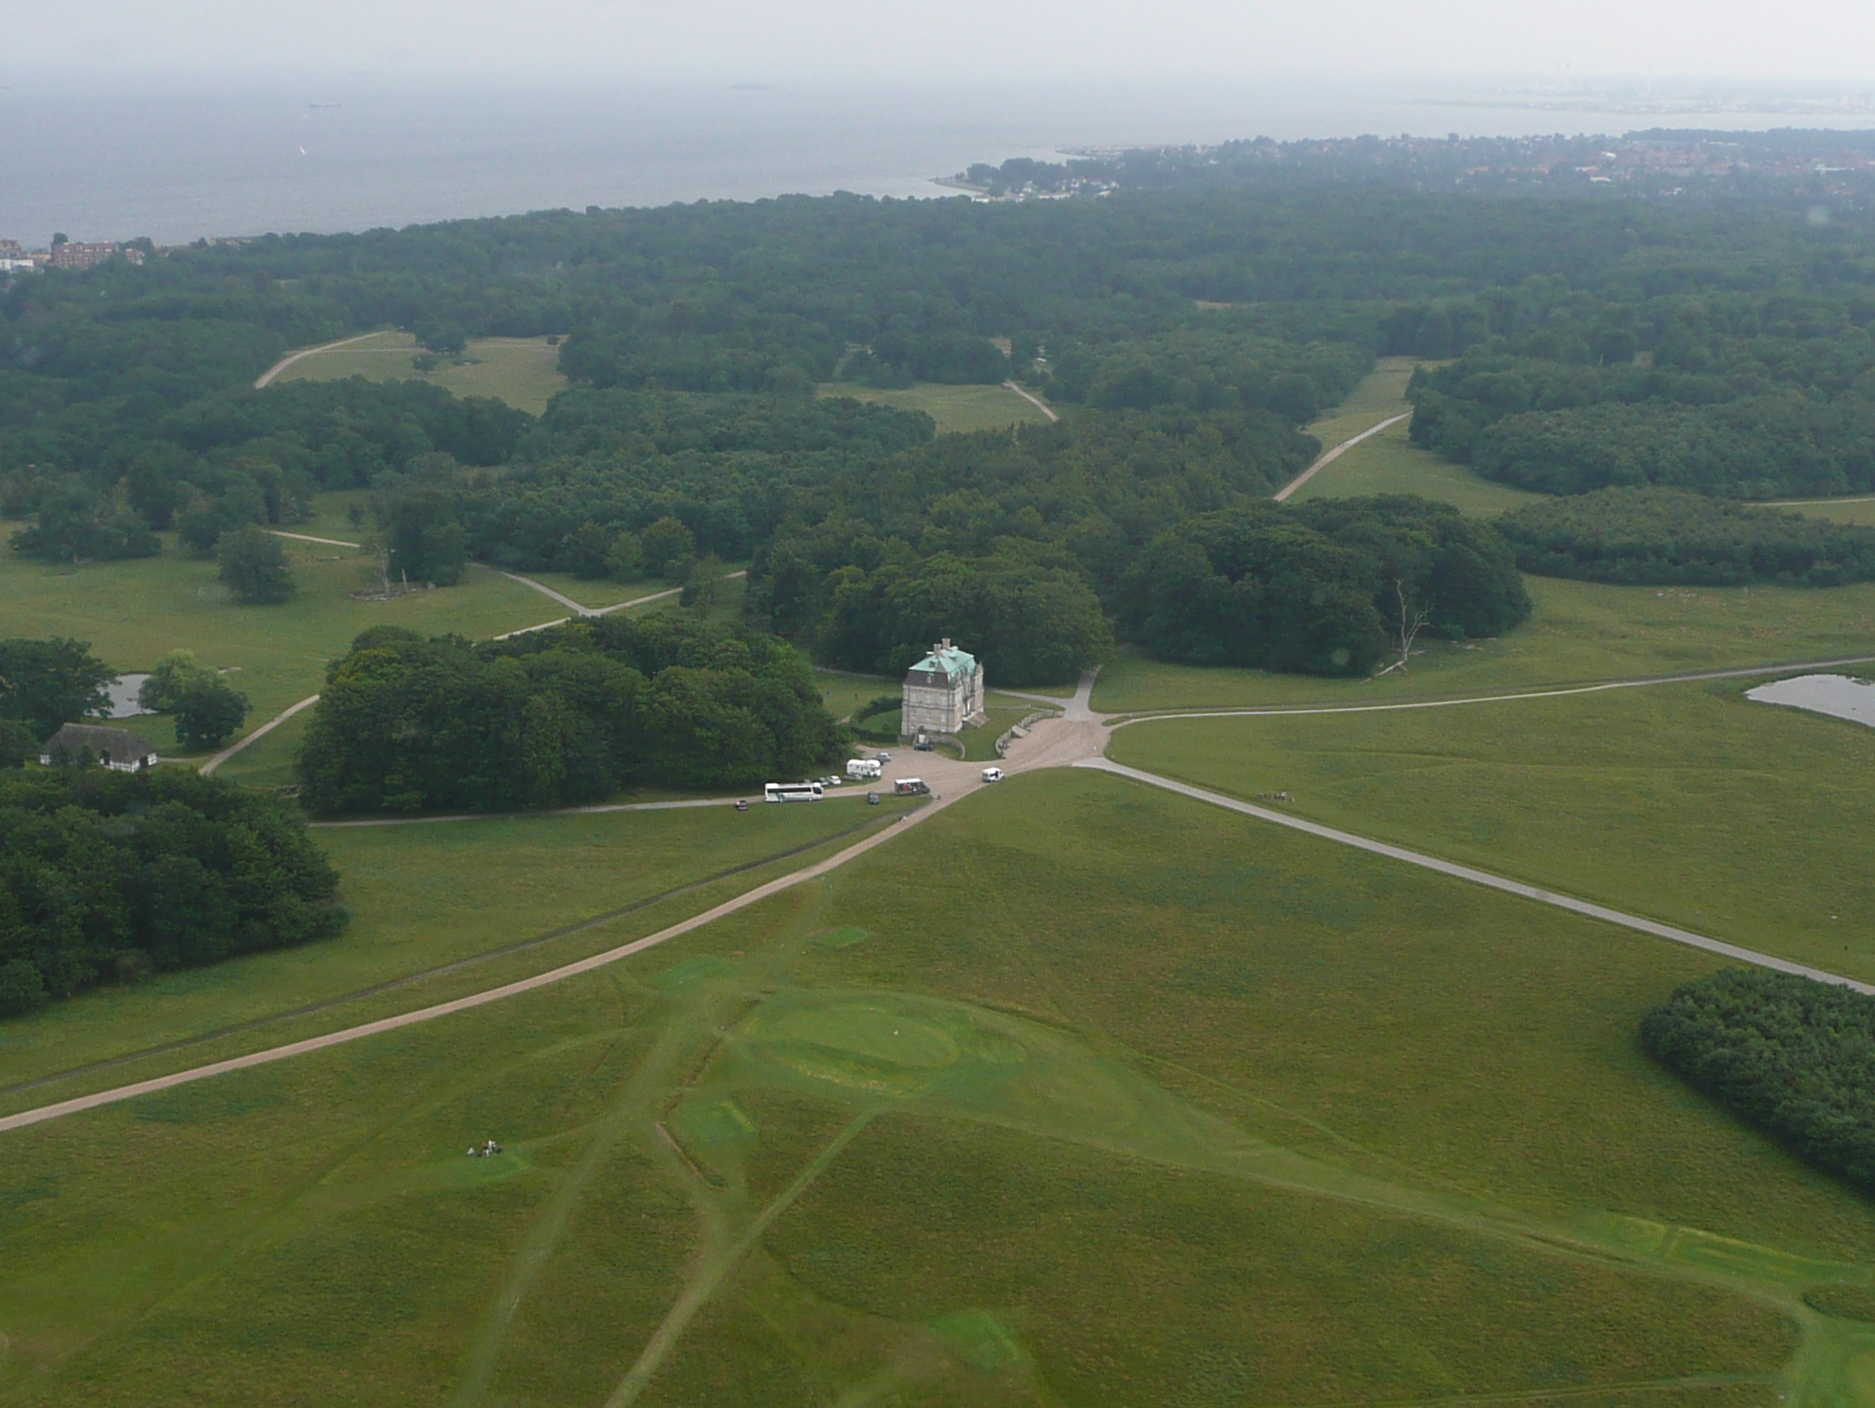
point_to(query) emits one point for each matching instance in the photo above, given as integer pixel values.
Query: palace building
(943, 692)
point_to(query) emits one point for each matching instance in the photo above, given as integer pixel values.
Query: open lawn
(523, 371)
(132, 612)
(1381, 393)
(1859, 510)
(423, 896)
(1579, 632)
(595, 593)
(1391, 464)
(952, 407)
(331, 516)
(843, 693)
(1178, 1109)
(1687, 803)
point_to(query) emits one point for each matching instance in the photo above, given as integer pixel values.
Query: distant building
(12, 249)
(943, 692)
(76, 254)
(115, 748)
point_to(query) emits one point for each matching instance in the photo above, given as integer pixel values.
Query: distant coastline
(242, 162)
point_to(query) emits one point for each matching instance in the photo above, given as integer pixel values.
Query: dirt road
(1034, 401)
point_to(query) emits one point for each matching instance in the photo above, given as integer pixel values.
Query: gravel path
(1561, 691)
(1479, 877)
(1033, 400)
(308, 538)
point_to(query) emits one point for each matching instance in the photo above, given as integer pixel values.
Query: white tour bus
(791, 791)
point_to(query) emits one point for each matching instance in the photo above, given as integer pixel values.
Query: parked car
(992, 774)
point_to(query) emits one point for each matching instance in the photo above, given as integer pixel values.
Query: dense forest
(1189, 321)
(110, 876)
(1759, 385)
(1791, 1055)
(559, 717)
(1663, 536)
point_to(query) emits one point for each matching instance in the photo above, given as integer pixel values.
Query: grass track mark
(716, 1269)
(550, 1224)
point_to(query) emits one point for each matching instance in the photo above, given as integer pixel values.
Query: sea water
(231, 156)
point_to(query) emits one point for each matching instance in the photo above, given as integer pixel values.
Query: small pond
(1839, 696)
(124, 696)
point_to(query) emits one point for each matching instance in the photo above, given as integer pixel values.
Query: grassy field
(1381, 393)
(1580, 631)
(132, 612)
(952, 407)
(1195, 1111)
(1391, 464)
(843, 693)
(1687, 803)
(523, 371)
(428, 895)
(1859, 510)
(596, 593)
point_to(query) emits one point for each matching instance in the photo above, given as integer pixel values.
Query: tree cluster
(109, 876)
(206, 708)
(1014, 542)
(1331, 587)
(1791, 1055)
(46, 683)
(1661, 536)
(559, 717)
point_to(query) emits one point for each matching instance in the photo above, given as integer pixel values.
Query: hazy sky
(943, 39)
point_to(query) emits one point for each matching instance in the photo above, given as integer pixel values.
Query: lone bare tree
(1413, 619)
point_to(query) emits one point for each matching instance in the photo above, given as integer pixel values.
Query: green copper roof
(949, 661)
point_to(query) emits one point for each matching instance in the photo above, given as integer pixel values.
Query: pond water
(1839, 696)
(124, 696)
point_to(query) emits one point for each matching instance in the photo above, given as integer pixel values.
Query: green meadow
(1687, 803)
(1859, 511)
(1391, 464)
(1580, 632)
(438, 909)
(1139, 1103)
(1381, 393)
(523, 371)
(132, 612)
(952, 407)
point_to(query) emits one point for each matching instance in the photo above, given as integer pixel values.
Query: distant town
(1786, 164)
(64, 253)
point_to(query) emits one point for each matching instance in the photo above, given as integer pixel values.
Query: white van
(861, 769)
(992, 774)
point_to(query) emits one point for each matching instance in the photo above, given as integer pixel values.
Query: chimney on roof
(947, 642)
